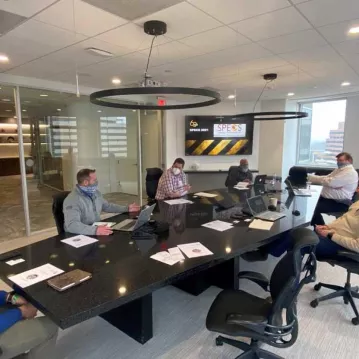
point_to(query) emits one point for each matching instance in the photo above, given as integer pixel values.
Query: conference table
(123, 274)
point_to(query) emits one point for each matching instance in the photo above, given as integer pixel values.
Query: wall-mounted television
(218, 136)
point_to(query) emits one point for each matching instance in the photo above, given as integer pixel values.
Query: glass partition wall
(63, 133)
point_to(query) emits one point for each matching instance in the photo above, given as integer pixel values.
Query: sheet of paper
(192, 250)
(164, 257)
(242, 184)
(259, 224)
(204, 194)
(36, 275)
(218, 225)
(172, 202)
(79, 241)
(241, 188)
(104, 224)
(176, 254)
(15, 261)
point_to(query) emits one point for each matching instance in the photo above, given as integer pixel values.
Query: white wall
(351, 134)
(175, 137)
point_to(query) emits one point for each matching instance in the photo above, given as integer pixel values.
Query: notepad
(259, 224)
(204, 194)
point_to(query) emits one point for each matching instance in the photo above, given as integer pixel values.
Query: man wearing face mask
(83, 206)
(239, 174)
(173, 182)
(338, 188)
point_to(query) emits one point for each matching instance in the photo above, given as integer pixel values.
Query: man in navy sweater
(35, 337)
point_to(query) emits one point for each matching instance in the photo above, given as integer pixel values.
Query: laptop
(260, 180)
(297, 192)
(259, 210)
(130, 225)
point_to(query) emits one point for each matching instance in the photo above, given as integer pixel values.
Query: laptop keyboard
(269, 215)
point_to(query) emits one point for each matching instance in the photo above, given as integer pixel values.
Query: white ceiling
(224, 44)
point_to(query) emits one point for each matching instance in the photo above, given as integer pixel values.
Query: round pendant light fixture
(103, 98)
(273, 115)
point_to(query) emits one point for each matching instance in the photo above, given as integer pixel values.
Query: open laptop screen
(257, 204)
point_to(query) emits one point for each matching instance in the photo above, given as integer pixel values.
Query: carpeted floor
(179, 330)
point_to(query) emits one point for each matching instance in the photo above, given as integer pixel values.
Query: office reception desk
(123, 274)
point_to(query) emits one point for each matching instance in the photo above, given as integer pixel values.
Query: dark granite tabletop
(121, 267)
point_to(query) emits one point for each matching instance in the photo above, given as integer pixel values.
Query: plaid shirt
(170, 183)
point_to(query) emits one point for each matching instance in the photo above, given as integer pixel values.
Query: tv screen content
(218, 136)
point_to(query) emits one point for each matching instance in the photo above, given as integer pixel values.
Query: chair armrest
(255, 277)
(349, 255)
(245, 319)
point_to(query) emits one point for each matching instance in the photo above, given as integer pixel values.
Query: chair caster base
(355, 321)
(219, 342)
(314, 303)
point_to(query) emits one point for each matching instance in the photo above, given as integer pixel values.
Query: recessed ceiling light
(43, 95)
(134, 110)
(291, 94)
(231, 97)
(354, 30)
(99, 111)
(59, 109)
(4, 58)
(345, 83)
(27, 101)
(99, 52)
(24, 110)
(116, 81)
(8, 110)
(6, 100)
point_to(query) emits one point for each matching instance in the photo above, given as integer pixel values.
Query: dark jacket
(235, 175)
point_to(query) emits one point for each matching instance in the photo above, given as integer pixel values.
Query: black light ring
(95, 97)
(281, 115)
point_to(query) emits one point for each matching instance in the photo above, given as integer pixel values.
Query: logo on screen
(229, 130)
(193, 124)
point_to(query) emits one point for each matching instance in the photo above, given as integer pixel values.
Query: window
(113, 136)
(321, 134)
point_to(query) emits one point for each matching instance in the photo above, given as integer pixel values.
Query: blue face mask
(89, 190)
(342, 164)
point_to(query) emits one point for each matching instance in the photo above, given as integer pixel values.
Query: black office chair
(238, 313)
(152, 178)
(57, 210)
(349, 261)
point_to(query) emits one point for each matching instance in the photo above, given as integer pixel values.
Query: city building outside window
(321, 134)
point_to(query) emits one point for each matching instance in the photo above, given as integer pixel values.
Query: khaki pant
(35, 335)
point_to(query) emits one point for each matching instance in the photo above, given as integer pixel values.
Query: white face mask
(176, 171)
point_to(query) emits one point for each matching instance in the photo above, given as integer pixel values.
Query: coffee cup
(273, 202)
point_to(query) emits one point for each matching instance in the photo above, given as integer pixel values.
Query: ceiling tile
(131, 37)
(8, 21)
(324, 12)
(21, 50)
(133, 9)
(183, 20)
(229, 11)
(89, 20)
(299, 1)
(231, 56)
(48, 35)
(347, 47)
(25, 8)
(216, 39)
(292, 42)
(273, 24)
(170, 52)
(339, 32)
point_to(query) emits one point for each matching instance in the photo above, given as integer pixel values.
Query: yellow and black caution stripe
(216, 147)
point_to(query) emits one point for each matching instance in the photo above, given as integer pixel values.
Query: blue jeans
(325, 249)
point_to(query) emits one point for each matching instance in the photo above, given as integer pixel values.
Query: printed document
(218, 225)
(192, 250)
(79, 241)
(35, 275)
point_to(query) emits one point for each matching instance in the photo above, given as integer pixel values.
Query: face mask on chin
(176, 171)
